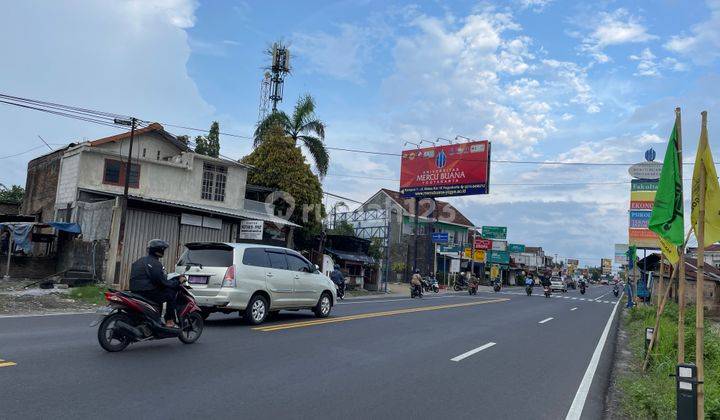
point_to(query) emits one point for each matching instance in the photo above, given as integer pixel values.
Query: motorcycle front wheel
(191, 328)
(107, 337)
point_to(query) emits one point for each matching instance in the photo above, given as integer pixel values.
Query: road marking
(601, 296)
(573, 309)
(49, 314)
(546, 320)
(578, 403)
(473, 351)
(344, 302)
(5, 363)
(287, 326)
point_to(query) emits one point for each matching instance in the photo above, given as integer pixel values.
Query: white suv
(255, 280)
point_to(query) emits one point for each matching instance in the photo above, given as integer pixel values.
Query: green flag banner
(667, 215)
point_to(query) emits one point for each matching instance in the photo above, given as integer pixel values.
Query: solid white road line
(345, 302)
(578, 403)
(573, 309)
(471, 352)
(48, 314)
(546, 320)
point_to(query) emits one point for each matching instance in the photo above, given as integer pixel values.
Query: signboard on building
(499, 245)
(440, 237)
(573, 262)
(498, 257)
(606, 264)
(494, 232)
(451, 248)
(646, 170)
(621, 254)
(516, 248)
(251, 229)
(454, 265)
(481, 243)
(442, 171)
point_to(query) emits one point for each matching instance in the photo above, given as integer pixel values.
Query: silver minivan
(256, 280)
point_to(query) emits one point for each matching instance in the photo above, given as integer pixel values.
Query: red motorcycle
(131, 318)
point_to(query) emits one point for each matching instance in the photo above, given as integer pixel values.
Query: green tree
(14, 194)
(343, 228)
(302, 126)
(279, 164)
(209, 145)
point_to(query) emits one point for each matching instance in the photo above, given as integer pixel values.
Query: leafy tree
(376, 249)
(15, 194)
(302, 126)
(343, 228)
(209, 145)
(279, 164)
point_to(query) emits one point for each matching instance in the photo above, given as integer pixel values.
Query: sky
(543, 80)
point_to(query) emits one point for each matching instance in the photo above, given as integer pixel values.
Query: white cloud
(124, 57)
(566, 76)
(649, 66)
(536, 5)
(612, 28)
(702, 45)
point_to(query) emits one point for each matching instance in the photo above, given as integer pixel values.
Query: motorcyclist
(148, 279)
(337, 277)
(529, 280)
(416, 281)
(545, 281)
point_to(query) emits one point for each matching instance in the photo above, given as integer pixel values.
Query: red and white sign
(481, 243)
(641, 205)
(441, 171)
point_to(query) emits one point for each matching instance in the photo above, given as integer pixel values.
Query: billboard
(606, 264)
(481, 243)
(642, 198)
(442, 171)
(440, 237)
(498, 257)
(516, 248)
(573, 262)
(621, 254)
(494, 232)
(499, 245)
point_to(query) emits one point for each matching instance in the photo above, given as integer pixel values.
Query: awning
(352, 256)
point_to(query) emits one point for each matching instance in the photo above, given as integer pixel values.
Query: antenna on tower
(278, 69)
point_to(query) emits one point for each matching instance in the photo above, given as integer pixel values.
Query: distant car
(255, 280)
(604, 280)
(556, 283)
(571, 282)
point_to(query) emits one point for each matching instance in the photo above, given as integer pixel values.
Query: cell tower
(264, 97)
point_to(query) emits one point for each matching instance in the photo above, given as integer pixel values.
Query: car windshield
(207, 257)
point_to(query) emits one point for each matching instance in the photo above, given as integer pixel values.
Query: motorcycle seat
(140, 298)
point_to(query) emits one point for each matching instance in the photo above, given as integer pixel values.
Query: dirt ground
(21, 297)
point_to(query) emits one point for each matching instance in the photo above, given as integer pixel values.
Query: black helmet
(157, 247)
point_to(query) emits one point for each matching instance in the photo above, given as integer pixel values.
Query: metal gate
(190, 233)
(142, 226)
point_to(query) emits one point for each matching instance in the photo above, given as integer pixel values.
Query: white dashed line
(573, 309)
(546, 320)
(471, 352)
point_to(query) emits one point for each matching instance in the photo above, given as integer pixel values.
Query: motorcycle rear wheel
(106, 336)
(191, 328)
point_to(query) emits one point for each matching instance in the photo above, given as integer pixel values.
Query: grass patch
(90, 293)
(652, 395)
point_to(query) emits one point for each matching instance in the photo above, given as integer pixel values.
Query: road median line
(471, 352)
(269, 328)
(5, 363)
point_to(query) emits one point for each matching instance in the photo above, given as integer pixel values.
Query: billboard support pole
(472, 255)
(415, 247)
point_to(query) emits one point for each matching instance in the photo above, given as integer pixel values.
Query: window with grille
(114, 173)
(213, 182)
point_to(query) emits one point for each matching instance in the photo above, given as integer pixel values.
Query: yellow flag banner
(670, 251)
(704, 162)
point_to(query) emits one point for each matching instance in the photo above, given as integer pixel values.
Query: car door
(306, 287)
(280, 280)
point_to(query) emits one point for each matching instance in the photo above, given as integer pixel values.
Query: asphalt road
(495, 355)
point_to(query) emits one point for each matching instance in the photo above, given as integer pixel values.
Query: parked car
(254, 280)
(556, 283)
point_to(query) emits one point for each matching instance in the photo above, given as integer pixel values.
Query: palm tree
(301, 126)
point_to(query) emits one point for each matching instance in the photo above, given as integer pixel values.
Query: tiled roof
(154, 127)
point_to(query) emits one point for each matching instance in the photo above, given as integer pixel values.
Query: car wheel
(257, 310)
(323, 307)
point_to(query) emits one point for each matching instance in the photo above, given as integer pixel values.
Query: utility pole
(124, 201)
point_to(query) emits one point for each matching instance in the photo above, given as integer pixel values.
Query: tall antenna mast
(264, 97)
(279, 68)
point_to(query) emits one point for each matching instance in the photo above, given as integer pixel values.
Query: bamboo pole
(681, 263)
(699, 289)
(660, 310)
(659, 294)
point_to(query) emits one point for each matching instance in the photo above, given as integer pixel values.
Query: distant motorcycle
(416, 291)
(430, 284)
(547, 291)
(616, 290)
(460, 284)
(582, 288)
(528, 290)
(473, 288)
(496, 286)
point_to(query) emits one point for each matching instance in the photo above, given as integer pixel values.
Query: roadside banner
(481, 243)
(494, 232)
(516, 248)
(621, 254)
(704, 163)
(667, 214)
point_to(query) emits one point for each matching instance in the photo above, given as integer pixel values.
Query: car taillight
(229, 278)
